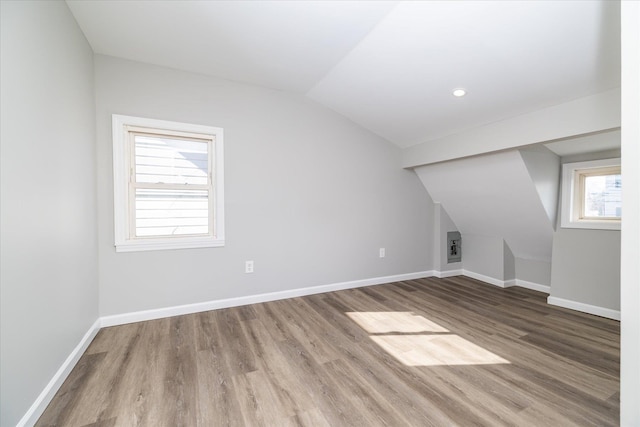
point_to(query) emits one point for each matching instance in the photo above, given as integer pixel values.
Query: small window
(592, 195)
(168, 185)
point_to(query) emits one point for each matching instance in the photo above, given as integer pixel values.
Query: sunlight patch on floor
(434, 350)
(384, 322)
(417, 341)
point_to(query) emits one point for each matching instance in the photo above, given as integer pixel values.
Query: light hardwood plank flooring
(430, 352)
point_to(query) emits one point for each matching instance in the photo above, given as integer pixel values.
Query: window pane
(603, 196)
(171, 212)
(171, 161)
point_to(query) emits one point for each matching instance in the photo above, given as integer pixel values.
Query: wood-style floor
(431, 352)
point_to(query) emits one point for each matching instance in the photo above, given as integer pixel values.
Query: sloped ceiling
(278, 44)
(388, 66)
(601, 141)
(493, 195)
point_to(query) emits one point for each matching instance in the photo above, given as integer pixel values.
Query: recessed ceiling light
(459, 92)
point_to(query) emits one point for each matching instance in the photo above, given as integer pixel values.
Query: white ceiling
(278, 44)
(601, 141)
(388, 66)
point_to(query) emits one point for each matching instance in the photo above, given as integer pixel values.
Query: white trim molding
(448, 273)
(140, 316)
(474, 275)
(533, 286)
(125, 184)
(489, 280)
(500, 283)
(572, 197)
(585, 308)
(43, 400)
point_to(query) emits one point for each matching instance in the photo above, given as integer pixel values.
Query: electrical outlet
(382, 252)
(248, 267)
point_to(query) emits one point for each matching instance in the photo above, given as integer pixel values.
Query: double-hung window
(592, 194)
(168, 185)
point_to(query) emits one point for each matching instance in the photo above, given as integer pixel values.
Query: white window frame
(572, 198)
(124, 208)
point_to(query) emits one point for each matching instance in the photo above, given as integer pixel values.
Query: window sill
(167, 244)
(592, 225)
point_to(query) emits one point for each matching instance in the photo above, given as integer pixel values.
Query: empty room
(320, 213)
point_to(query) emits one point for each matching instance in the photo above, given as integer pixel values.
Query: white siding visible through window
(168, 185)
(171, 161)
(171, 212)
(177, 201)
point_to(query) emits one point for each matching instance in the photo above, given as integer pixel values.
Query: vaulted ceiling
(388, 66)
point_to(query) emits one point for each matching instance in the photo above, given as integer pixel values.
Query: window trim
(573, 176)
(122, 156)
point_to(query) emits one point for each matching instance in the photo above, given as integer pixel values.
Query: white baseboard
(448, 273)
(585, 308)
(509, 283)
(43, 400)
(487, 279)
(139, 316)
(501, 283)
(533, 286)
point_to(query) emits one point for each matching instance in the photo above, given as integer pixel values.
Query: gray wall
(586, 263)
(310, 196)
(49, 289)
(492, 195)
(509, 262)
(441, 225)
(483, 255)
(510, 196)
(532, 270)
(586, 267)
(544, 169)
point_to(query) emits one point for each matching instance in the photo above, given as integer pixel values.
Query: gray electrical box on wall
(454, 247)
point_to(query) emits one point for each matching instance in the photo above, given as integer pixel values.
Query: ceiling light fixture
(459, 92)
